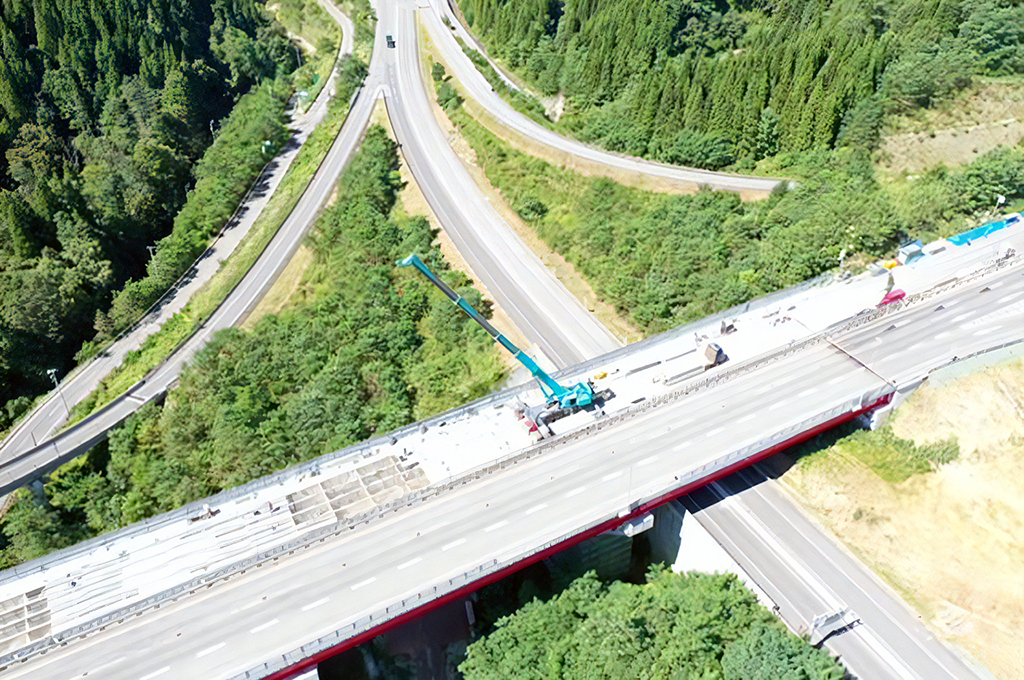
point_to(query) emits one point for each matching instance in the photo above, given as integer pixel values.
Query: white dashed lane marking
(264, 626)
(210, 650)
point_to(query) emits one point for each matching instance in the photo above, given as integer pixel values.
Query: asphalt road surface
(248, 647)
(733, 523)
(538, 304)
(48, 416)
(792, 558)
(268, 611)
(807, 574)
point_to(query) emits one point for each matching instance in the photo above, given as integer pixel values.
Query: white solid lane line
(406, 565)
(452, 545)
(156, 673)
(264, 626)
(502, 523)
(536, 508)
(210, 650)
(325, 600)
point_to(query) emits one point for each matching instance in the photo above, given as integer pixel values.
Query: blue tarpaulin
(982, 231)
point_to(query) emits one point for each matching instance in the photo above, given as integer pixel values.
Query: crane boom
(581, 394)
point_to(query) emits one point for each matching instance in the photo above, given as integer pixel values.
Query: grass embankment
(364, 18)
(306, 18)
(363, 348)
(178, 328)
(946, 533)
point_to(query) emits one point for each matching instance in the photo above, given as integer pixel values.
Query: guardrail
(144, 317)
(406, 605)
(321, 535)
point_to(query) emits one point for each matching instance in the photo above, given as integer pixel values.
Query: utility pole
(53, 376)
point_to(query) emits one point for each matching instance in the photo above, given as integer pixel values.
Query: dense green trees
(664, 260)
(221, 178)
(369, 348)
(674, 626)
(637, 73)
(106, 108)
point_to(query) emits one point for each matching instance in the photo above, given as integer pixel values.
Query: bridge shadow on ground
(772, 467)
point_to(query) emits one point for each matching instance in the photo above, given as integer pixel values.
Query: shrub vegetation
(368, 348)
(108, 109)
(674, 626)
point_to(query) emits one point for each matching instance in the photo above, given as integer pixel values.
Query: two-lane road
(46, 418)
(575, 153)
(806, 574)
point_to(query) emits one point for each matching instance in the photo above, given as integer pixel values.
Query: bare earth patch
(957, 132)
(951, 541)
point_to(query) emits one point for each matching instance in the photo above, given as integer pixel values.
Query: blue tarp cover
(982, 231)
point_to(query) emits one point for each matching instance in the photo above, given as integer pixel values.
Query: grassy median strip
(178, 328)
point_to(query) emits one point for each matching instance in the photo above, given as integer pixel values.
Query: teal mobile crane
(578, 396)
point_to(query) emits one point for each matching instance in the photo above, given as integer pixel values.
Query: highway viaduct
(273, 614)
